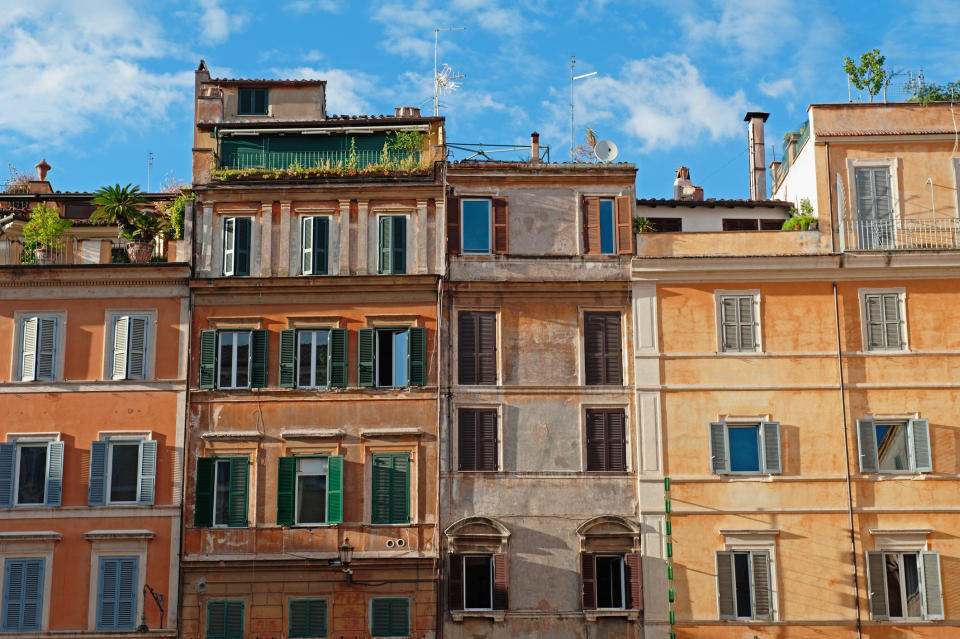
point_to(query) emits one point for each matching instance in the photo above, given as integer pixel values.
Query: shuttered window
(744, 585)
(38, 348)
(477, 441)
(393, 245)
(391, 488)
(22, 595)
(607, 225)
(122, 472)
(390, 617)
(390, 357)
(477, 347)
(884, 329)
(478, 582)
(236, 245)
(738, 324)
(224, 620)
(314, 234)
(666, 224)
(313, 358)
(745, 448)
(308, 617)
(602, 349)
(252, 101)
(904, 585)
(129, 357)
(117, 593)
(233, 359)
(606, 440)
(31, 473)
(874, 197)
(309, 490)
(221, 492)
(611, 581)
(892, 447)
(736, 224)
(478, 226)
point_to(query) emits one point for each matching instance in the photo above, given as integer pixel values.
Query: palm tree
(119, 205)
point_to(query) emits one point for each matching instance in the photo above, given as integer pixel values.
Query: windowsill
(493, 615)
(739, 353)
(883, 351)
(593, 615)
(311, 526)
(231, 436)
(894, 474)
(405, 524)
(391, 432)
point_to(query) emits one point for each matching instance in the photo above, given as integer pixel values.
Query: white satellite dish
(606, 151)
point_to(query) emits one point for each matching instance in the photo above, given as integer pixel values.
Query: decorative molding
(30, 536)
(391, 432)
(232, 436)
(312, 433)
(114, 535)
(900, 539)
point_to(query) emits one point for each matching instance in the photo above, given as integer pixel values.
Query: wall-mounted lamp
(345, 553)
(158, 598)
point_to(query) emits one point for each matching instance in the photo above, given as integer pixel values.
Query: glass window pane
(744, 449)
(312, 465)
(894, 594)
(320, 346)
(476, 226)
(607, 229)
(304, 358)
(221, 495)
(124, 472)
(243, 359)
(478, 582)
(400, 358)
(892, 447)
(911, 584)
(32, 477)
(741, 577)
(226, 359)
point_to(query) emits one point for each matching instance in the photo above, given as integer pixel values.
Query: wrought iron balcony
(900, 234)
(287, 160)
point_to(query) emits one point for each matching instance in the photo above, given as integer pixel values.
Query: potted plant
(123, 205)
(43, 234)
(801, 220)
(642, 225)
(142, 238)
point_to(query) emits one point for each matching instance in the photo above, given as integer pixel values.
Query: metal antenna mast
(149, 166)
(573, 62)
(436, 70)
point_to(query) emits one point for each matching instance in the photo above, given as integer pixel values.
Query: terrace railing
(314, 159)
(900, 234)
(38, 252)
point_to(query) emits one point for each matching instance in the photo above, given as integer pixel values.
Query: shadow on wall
(510, 416)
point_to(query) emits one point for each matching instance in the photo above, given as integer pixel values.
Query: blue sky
(94, 85)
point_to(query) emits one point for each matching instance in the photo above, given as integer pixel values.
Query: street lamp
(345, 552)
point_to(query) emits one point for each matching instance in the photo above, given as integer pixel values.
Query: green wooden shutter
(203, 498)
(338, 357)
(320, 240)
(366, 365)
(242, 259)
(382, 465)
(260, 101)
(389, 617)
(224, 620)
(97, 488)
(308, 617)
(306, 245)
(726, 605)
(417, 356)
(208, 359)
(400, 490)
(148, 472)
(335, 489)
(920, 434)
(239, 471)
(54, 474)
(386, 246)
(932, 585)
(399, 257)
(718, 448)
(288, 358)
(8, 454)
(867, 440)
(286, 477)
(259, 339)
(877, 585)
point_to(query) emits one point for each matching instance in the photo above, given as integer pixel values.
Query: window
(666, 224)
(391, 488)
(608, 225)
(129, 357)
(313, 358)
(314, 233)
(233, 359)
(393, 245)
(736, 224)
(310, 490)
(122, 471)
(22, 594)
(477, 226)
(393, 356)
(771, 225)
(31, 474)
(308, 617)
(236, 245)
(478, 582)
(738, 322)
(743, 585)
(224, 620)
(883, 327)
(603, 363)
(477, 439)
(606, 440)
(904, 585)
(891, 446)
(389, 617)
(221, 492)
(477, 347)
(252, 101)
(745, 448)
(38, 348)
(117, 593)
(611, 581)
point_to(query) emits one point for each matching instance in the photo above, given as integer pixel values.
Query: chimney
(534, 147)
(406, 112)
(758, 174)
(42, 168)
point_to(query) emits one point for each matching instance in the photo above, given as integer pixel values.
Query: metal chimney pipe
(758, 173)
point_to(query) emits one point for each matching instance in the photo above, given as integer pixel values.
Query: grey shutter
(7, 464)
(725, 603)
(28, 350)
(867, 445)
(229, 245)
(841, 198)
(97, 489)
(47, 349)
(922, 457)
(137, 348)
(148, 471)
(873, 307)
(865, 200)
(876, 585)
(718, 448)
(746, 322)
(54, 474)
(771, 447)
(881, 192)
(932, 586)
(891, 321)
(730, 333)
(121, 325)
(760, 566)
(306, 245)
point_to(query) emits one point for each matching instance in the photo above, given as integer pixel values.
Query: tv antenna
(149, 166)
(573, 62)
(443, 79)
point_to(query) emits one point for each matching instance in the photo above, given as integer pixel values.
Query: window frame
(313, 369)
(314, 250)
(459, 347)
(463, 226)
(44, 592)
(108, 489)
(253, 101)
(16, 368)
(489, 558)
(892, 164)
(213, 492)
(410, 486)
(910, 425)
(234, 252)
(497, 411)
(233, 362)
(750, 550)
(308, 601)
(405, 224)
(901, 293)
(584, 312)
(100, 558)
(225, 635)
(296, 490)
(149, 354)
(761, 423)
(623, 579)
(627, 441)
(392, 330)
(614, 249)
(19, 445)
(718, 296)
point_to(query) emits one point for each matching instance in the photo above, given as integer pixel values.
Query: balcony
(900, 234)
(293, 160)
(72, 250)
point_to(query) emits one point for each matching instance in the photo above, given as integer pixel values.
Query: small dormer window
(252, 101)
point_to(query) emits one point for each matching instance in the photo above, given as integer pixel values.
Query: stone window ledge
(630, 615)
(492, 615)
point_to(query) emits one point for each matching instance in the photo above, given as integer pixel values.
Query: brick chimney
(534, 147)
(406, 112)
(42, 168)
(758, 174)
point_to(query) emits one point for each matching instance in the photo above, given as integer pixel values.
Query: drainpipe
(838, 227)
(846, 457)
(436, 516)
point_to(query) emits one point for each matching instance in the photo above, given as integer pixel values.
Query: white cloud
(755, 28)
(348, 91)
(304, 6)
(217, 23)
(777, 88)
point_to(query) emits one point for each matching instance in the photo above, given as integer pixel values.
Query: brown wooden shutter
(467, 438)
(593, 348)
(596, 441)
(591, 225)
(616, 440)
(612, 365)
(625, 233)
(486, 348)
(587, 574)
(467, 351)
(486, 446)
(453, 225)
(455, 582)
(501, 579)
(634, 580)
(501, 226)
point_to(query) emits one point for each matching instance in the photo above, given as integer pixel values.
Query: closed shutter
(501, 582)
(203, 498)
(321, 240)
(366, 364)
(467, 351)
(306, 245)
(746, 322)
(603, 363)
(28, 350)
(391, 488)
(616, 440)
(501, 226)
(467, 438)
(453, 225)
(613, 368)
(875, 333)
(596, 441)
(229, 245)
(725, 601)
(46, 349)
(591, 225)
(588, 570)
(867, 440)
(891, 321)
(308, 617)
(417, 356)
(335, 489)
(259, 341)
(771, 447)
(400, 490)
(97, 488)
(22, 594)
(881, 192)
(625, 233)
(718, 448)
(634, 564)
(920, 432)
(121, 325)
(7, 464)
(455, 582)
(148, 472)
(877, 585)
(242, 264)
(137, 348)
(286, 477)
(118, 594)
(239, 470)
(865, 201)
(932, 588)
(208, 359)
(487, 441)
(390, 617)
(730, 331)
(288, 358)
(760, 566)
(399, 245)
(486, 348)
(883, 321)
(737, 323)
(224, 620)
(338, 357)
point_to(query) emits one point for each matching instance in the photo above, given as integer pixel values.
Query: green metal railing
(315, 159)
(465, 152)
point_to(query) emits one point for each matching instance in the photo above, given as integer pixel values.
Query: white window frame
(219, 247)
(718, 296)
(623, 579)
(217, 460)
(755, 541)
(376, 350)
(109, 326)
(901, 293)
(19, 317)
(233, 361)
(313, 369)
(121, 439)
(463, 226)
(21, 444)
(892, 165)
(903, 596)
(300, 244)
(296, 490)
(463, 560)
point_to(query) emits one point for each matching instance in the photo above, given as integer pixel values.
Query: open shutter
(588, 577)
(306, 245)
(203, 497)
(366, 365)
(501, 581)
(239, 470)
(634, 564)
(97, 488)
(501, 226)
(591, 225)
(259, 339)
(386, 245)
(467, 347)
(208, 359)
(932, 586)
(400, 490)
(338, 357)
(467, 438)
(487, 440)
(417, 356)
(399, 264)
(616, 440)
(455, 582)
(725, 601)
(920, 432)
(46, 349)
(321, 228)
(718, 448)
(121, 326)
(335, 489)
(877, 585)
(54, 474)
(243, 246)
(286, 476)
(28, 350)
(288, 353)
(596, 441)
(760, 566)
(7, 464)
(625, 233)
(229, 245)
(867, 440)
(453, 225)
(148, 471)
(137, 349)
(771, 447)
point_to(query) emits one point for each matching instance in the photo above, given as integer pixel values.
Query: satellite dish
(606, 151)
